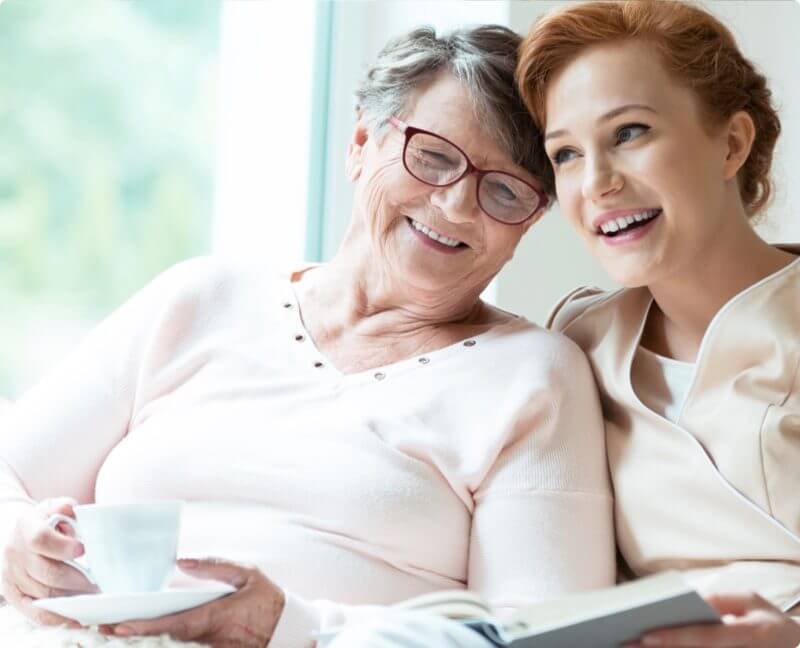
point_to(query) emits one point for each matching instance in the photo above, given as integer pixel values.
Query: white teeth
(446, 240)
(624, 222)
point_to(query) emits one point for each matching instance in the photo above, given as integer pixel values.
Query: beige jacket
(717, 494)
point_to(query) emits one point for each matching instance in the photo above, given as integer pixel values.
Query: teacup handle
(53, 521)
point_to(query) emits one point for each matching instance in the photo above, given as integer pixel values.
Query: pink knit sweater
(481, 465)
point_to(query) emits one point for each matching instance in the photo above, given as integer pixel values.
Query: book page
(589, 605)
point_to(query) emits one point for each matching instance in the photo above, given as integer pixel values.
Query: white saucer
(95, 609)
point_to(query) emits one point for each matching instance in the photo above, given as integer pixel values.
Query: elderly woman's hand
(245, 619)
(748, 621)
(32, 566)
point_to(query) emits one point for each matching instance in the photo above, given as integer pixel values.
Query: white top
(661, 383)
(480, 465)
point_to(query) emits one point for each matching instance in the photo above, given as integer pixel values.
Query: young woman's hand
(32, 566)
(246, 618)
(748, 622)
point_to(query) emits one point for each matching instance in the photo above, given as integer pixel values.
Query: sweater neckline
(319, 362)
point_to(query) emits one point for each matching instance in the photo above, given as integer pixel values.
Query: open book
(603, 618)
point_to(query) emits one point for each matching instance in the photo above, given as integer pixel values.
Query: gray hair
(484, 60)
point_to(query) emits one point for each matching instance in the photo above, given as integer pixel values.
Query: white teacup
(129, 547)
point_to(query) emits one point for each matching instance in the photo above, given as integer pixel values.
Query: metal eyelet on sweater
(380, 375)
(287, 304)
(424, 360)
(469, 343)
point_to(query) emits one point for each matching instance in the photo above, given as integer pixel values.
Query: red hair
(696, 48)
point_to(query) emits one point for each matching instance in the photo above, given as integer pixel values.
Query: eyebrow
(603, 118)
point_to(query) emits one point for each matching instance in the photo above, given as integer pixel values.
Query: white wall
(550, 260)
(768, 31)
(263, 134)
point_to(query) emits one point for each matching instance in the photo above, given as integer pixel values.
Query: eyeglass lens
(437, 162)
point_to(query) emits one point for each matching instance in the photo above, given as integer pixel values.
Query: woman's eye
(435, 158)
(631, 132)
(563, 155)
(502, 192)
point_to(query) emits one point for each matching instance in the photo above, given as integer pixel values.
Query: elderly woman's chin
(430, 264)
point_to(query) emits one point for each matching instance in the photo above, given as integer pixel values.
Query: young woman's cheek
(568, 190)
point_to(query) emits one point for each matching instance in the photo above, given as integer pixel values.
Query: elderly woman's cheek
(383, 196)
(382, 211)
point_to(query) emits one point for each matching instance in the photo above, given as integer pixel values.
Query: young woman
(661, 134)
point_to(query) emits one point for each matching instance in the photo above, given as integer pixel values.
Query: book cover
(603, 618)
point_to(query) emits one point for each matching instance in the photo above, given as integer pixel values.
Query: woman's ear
(355, 150)
(740, 136)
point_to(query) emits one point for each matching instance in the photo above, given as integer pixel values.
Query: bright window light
(264, 115)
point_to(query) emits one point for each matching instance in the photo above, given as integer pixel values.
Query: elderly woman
(361, 431)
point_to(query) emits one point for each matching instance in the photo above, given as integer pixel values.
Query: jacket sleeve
(571, 306)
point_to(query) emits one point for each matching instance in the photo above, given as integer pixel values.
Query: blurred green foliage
(107, 121)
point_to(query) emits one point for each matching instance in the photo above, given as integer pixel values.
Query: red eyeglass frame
(409, 131)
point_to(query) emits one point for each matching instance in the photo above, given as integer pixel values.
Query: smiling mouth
(625, 224)
(440, 239)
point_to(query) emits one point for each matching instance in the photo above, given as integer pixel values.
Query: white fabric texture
(661, 383)
(483, 466)
(409, 630)
(18, 632)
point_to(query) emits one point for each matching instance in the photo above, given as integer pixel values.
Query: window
(107, 140)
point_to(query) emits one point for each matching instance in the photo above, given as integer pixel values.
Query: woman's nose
(457, 202)
(600, 178)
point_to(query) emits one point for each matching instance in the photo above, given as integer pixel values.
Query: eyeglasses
(436, 161)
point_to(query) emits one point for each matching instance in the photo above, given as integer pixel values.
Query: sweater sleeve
(303, 622)
(543, 520)
(54, 440)
(14, 500)
(542, 524)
